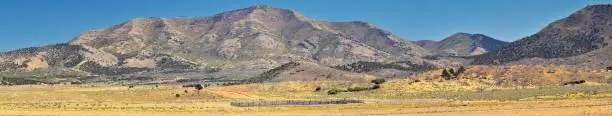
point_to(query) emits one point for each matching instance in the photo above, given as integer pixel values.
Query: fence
(262, 103)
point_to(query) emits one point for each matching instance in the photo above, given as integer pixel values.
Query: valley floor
(96, 100)
(513, 109)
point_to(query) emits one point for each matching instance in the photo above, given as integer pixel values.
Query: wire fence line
(263, 103)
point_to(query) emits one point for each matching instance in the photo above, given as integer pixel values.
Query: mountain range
(234, 44)
(275, 44)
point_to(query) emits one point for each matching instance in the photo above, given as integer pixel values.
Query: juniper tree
(446, 75)
(318, 89)
(199, 87)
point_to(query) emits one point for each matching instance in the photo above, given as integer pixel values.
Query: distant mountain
(462, 44)
(581, 38)
(243, 42)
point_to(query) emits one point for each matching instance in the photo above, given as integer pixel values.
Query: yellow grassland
(471, 95)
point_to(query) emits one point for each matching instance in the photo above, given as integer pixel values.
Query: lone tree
(199, 87)
(452, 72)
(446, 75)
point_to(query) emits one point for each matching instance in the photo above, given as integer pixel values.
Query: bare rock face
(256, 38)
(581, 38)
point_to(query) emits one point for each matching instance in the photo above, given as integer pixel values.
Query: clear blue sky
(26, 23)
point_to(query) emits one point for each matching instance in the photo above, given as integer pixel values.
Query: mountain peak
(261, 11)
(461, 34)
(478, 34)
(592, 15)
(261, 6)
(599, 7)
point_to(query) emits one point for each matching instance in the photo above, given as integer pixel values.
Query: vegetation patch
(335, 91)
(574, 82)
(292, 102)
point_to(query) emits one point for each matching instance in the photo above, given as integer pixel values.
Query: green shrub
(452, 72)
(379, 81)
(354, 89)
(318, 89)
(199, 87)
(335, 91)
(446, 75)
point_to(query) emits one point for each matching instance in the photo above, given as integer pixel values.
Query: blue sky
(27, 23)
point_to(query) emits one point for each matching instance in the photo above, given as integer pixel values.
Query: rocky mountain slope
(242, 42)
(582, 38)
(462, 44)
(259, 32)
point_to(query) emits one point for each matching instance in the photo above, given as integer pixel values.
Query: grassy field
(481, 90)
(397, 97)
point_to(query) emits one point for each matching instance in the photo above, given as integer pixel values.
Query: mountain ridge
(266, 42)
(242, 42)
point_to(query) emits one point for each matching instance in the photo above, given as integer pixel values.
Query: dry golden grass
(145, 100)
(431, 96)
(515, 108)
